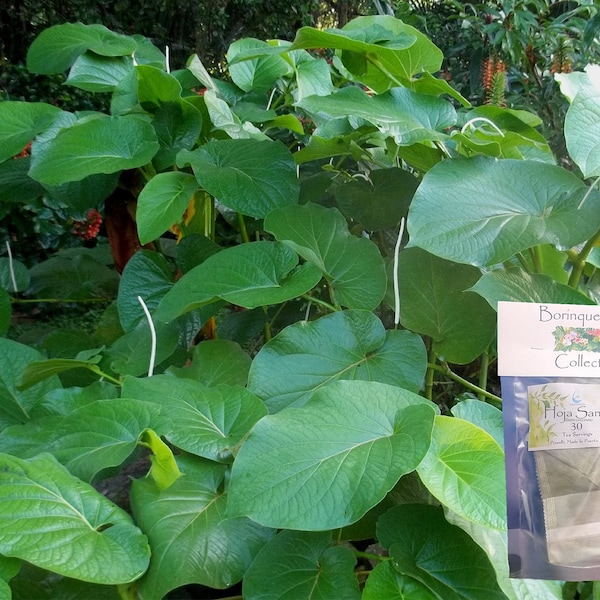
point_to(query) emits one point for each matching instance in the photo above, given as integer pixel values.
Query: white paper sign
(557, 340)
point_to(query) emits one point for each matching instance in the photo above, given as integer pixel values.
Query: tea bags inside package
(569, 482)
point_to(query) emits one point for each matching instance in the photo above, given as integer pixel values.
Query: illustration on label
(576, 339)
(564, 415)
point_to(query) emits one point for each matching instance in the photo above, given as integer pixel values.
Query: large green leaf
(464, 470)
(352, 266)
(147, 274)
(217, 361)
(482, 211)
(15, 404)
(94, 73)
(380, 51)
(379, 202)
(516, 285)
(434, 301)
(494, 544)
(300, 564)
(424, 546)
(57, 47)
(72, 277)
(39, 370)
(97, 436)
(249, 176)
(482, 414)
(20, 122)
(406, 116)
(61, 401)
(191, 539)
(325, 464)
(100, 145)
(258, 74)
(10, 268)
(162, 203)
(344, 345)
(387, 582)
(582, 122)
(313, 75)
(209, 422)
(57, 522)
(36, 583)
(176, 121)
(15, 185)
(86, 193)
(249, 275)
(130, 354)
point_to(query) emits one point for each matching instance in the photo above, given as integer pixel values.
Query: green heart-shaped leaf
(100, 145)
(189, 514)
(349, 344)
(162, 203)
(249, 176)
(516, 285)
(434, 301)
(209, 422)
(325, 464)
(301, 564)
(20, 122)
(353, 266)
(407, 116)
(55, 521)
(464, 469)
(424, 546)
(250, 275)
(96, 436)
(582, 122)
(57, 47)
(493, 209)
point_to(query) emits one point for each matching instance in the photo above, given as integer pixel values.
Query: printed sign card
(555, 340)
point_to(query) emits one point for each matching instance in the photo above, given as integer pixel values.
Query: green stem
(370, 555)
(377, 63)
(483, 374)
(523, 262)
(445, 369)
(536, 259)
(242, 226)
(581, 257)
(431, 368)
(320, 302)
(104, 375)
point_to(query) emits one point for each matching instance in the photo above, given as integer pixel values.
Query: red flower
(88, 229)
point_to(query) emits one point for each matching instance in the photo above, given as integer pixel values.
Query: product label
(564, 415)
(560, 340)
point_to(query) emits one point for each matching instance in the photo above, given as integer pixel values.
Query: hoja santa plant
(310, 450)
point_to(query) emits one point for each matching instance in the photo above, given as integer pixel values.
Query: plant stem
(370, 555)
(377, 63)
(320, 302)
(431, 368)
(579, 260)
(104, 375)
(445, 369)
(483, 374)
(242, 226)
(536, 259)
(523, 262)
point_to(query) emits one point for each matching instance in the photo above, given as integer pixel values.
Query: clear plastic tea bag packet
(549, 362)
(569, 483)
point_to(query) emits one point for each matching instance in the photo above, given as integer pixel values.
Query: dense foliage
(299, 353)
